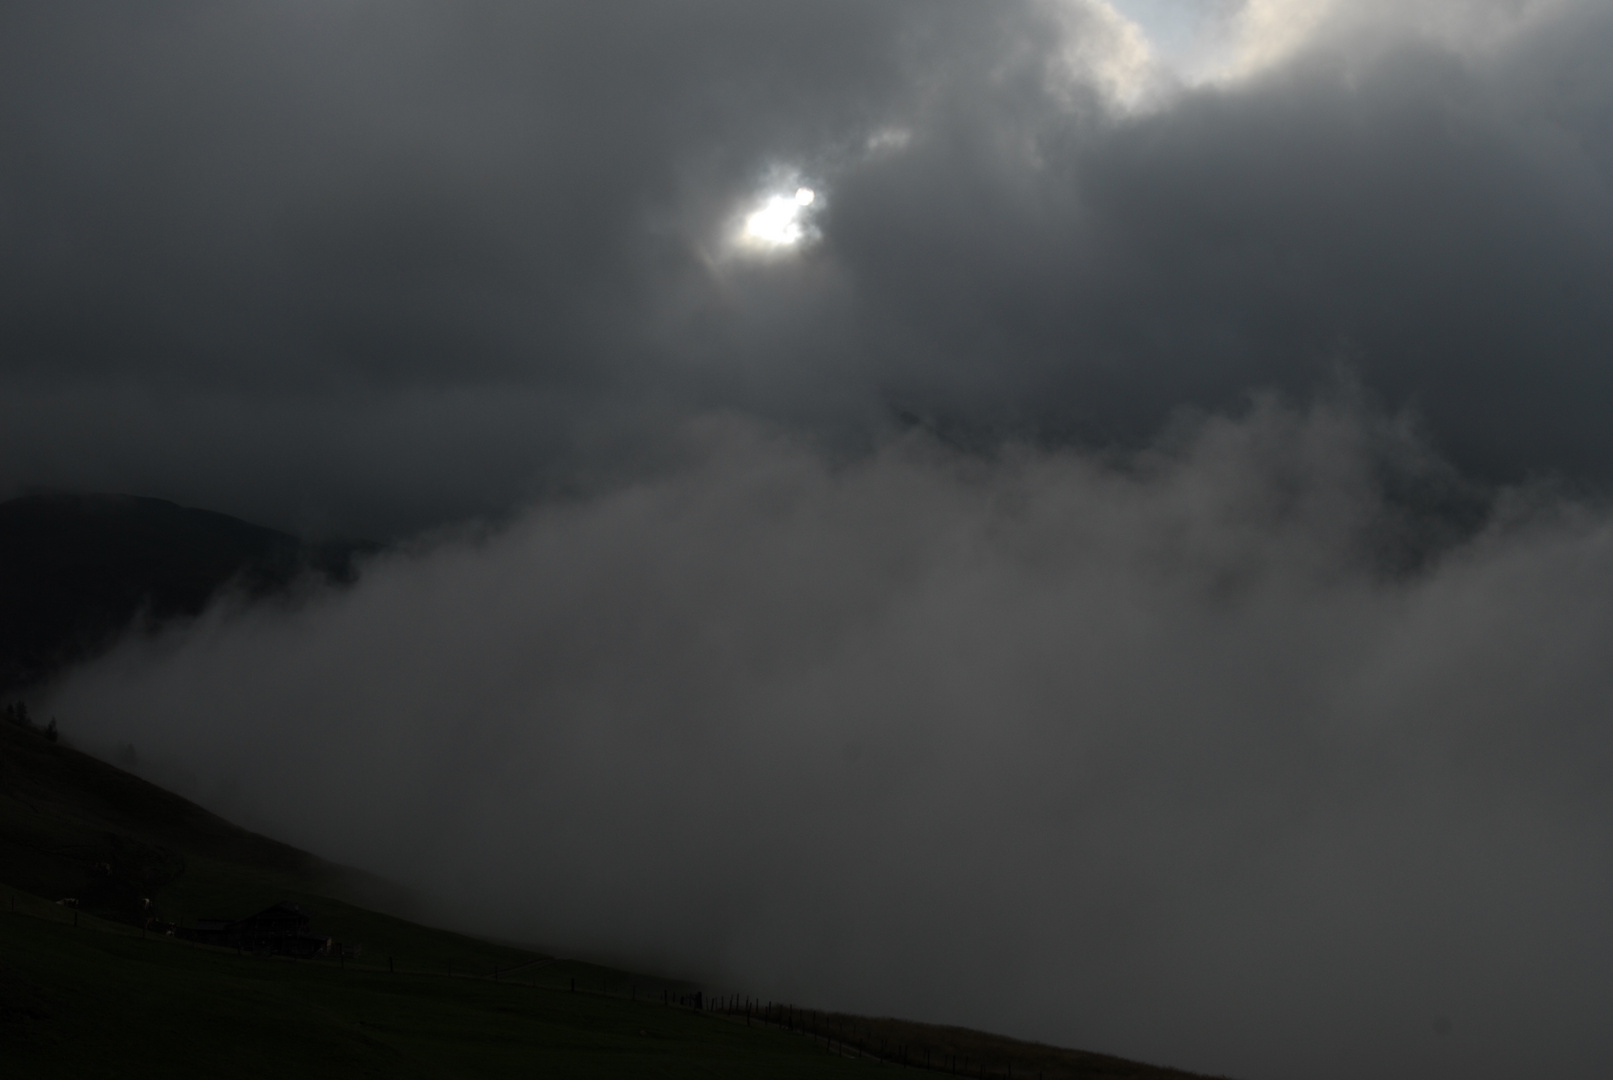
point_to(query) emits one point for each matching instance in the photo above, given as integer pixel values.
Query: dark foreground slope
(77, 570)
(99, 990)
(91, 1001)
(127, 851)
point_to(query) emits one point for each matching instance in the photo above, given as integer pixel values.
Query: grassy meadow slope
(74, 826)
(98, 1000)
(86, 991)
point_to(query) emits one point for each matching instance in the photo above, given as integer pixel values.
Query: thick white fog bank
(1168, 755)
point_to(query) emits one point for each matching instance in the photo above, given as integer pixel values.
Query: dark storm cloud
(1099, 705)
(1150, 755)
(321, 217)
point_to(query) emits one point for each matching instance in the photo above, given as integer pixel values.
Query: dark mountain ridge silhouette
(78, 570)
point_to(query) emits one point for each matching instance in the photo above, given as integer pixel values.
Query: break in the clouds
(1213, 755)
(374, 266)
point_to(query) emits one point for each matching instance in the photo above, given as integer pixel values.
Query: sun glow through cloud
(781, 221)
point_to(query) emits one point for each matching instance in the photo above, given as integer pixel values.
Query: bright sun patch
(782, 221)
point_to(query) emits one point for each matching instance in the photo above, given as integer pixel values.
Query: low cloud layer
(1245, 752)
(370, 267)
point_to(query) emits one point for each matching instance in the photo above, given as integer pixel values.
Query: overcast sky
(1085, 519)
(369, 267)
